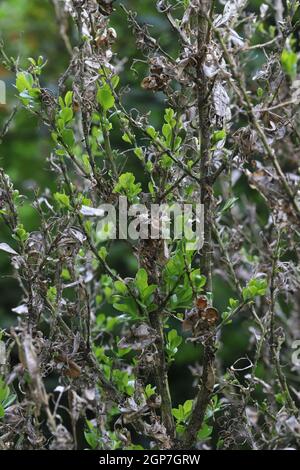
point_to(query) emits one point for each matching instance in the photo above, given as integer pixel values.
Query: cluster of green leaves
(27, 87)
(145, 290)
(256, 287)
(63, 200)
(123, 380)
(183, 413)
(105, 95)
(64, 119)
(170, 139)
(142, 301)
(107, 323)
(95, 439)
(20, 234)
(173, 343)
(181, 280)
(128, 187)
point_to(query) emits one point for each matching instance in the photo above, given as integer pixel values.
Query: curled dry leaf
(201, 318)
(21, 309)
(201, 302)
(71, 369)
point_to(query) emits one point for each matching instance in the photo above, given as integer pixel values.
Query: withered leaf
(210, 314)
(71, 369)
(221, 100)
(190, 320)
(8, 249)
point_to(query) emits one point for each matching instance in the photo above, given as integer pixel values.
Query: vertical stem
(203, 103)
(203, 100)
(275, 349)
(203, 397)
(161, 375)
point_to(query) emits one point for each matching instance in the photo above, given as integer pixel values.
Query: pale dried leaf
(8, 249)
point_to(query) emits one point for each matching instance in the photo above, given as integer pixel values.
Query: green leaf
(92, 436)
(103, 253)
(182, 297)
(174, 341)
(68, 137)
(69, 99)
(233, 303)
(105, 97)
(139, 153)
(149, 166)
(9, 400)
(127, 305)
(187, 407)
(183, 412)
(226, 316)
(124, 381)
(20, 233)
(151, 132)
(63, 200)
(115, 81)
(149, 391)
(198, 280)
(141, 280)
(52, 294)
(228, 204)
(126, 137)
(177, 413)
(169, 117)
(281, 398)
(289, 61)
(145, 291)
(204, 432)
(66, 115)
(167, 133)
(120, 287)
(65, 274)
(259, 92)
(127, 185)
(24, 81)
(4, 391)
(218, 135)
